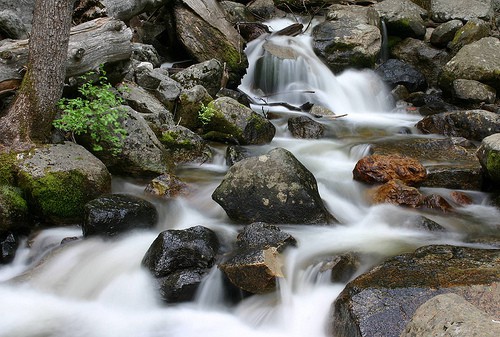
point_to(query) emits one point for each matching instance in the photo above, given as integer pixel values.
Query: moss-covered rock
(13, 209)
(58, 180)
(489, 156)
(7, 168)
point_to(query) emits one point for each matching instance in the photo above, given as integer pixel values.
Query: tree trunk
(29, 117)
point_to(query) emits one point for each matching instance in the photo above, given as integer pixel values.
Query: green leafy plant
(206, 113)
(96, 112)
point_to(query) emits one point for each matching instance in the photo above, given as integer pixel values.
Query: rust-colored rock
(435, 201)
(397, 193)
(382, 168)
(461, 198)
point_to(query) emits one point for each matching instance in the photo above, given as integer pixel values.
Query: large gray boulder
(274, 188)
(476, 61)
(489, 156)
(142, 154)
(58, 180)
(470, 124)
(473, 30)
(207, 74)
(445, 32)
(382, 301)
(452, 316)
(402, 17)
(126, 9)
(349, 38)
(464, 10)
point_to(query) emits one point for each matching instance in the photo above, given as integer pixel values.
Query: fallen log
(92, 43)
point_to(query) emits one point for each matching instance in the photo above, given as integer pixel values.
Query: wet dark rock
(430, 104)
(470, 124)
(450, 315)
(422, 222)
(113, 214)
(445, 32)
(464, 176)
(252, 30)
(275, 188)
(305, 127)
(376, 169)
(180, 259)
(264, 9)
(425, 58)
(166, 186)
(395, 72)
(180, 285)
(256, 263)
(382, 301)
(174, 250)
(8, 246)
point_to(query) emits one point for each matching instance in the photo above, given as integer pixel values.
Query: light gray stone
(445, 10)
(473, 91)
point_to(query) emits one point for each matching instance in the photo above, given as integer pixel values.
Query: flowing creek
(97, 288)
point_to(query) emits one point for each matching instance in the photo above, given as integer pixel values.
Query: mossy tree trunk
(29, 118)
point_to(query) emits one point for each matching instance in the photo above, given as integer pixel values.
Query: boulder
(58, 180)
(395, 72)
(476, 61)
(470, 92)
(275, 188)
(157, 81)
(207, 74)
(464, 10)
(189, 106)
(445, 32)
(142, 154)
(472, 31)
(398, 193)
(227, 120)
(450, 162)
(431, 103)
(237, 13)
(180, 259)
(208, 35)
(166, 186)
(470, 124)
(378, 169)
(23, 10)
(342, 267)
(450, 315)
(489, 156)
(423, 57)
(126, 9)
(14, 213)
(256, 263)
(145, 53)
(113, 214)
(350, 38)
(236, 153)
(264, 9)
(305, 127)
(403, 18)
(185, 146)
(382, 301)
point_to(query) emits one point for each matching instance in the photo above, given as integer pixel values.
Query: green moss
(7, 168)
(169, 137)
(59, 195)
(13, 196)
(493, 165)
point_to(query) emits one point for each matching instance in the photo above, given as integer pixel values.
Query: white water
(94, 288)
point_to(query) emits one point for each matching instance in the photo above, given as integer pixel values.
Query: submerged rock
(8, 247)
(166, 186)
(305, 127)
(395, 72)
(397, 193)
(113, 214)
(275, 188)
(382, 301)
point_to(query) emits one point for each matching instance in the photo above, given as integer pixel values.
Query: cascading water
(97, 288)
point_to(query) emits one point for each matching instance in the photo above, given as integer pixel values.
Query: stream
(97, 288)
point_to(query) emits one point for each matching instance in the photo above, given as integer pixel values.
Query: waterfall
(97, 288)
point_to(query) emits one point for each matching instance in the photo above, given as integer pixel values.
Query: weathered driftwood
(91, 43)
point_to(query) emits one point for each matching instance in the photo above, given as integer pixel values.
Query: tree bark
(29, 117)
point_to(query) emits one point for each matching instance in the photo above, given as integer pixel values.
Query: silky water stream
(97, 288)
